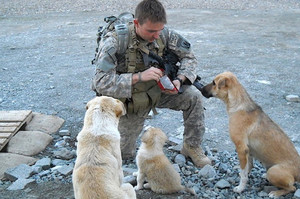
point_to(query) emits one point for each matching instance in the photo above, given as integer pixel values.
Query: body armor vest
(145, 95)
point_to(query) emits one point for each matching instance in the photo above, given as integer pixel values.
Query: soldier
(121, 73)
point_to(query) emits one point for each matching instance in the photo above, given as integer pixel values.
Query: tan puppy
(256, 135)
(98, 168)
(154, 166)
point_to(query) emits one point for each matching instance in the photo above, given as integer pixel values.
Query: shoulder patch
(183, 43)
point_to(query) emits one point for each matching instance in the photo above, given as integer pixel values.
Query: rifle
(169, 64)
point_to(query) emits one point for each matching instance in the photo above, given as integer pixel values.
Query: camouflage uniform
(112, 79)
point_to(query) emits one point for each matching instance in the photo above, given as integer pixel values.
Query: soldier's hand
(151, 74)
(173, 92)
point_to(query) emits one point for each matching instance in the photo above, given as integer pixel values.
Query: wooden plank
(2, 141)
(5, 124)
(8, 129)
(18, 116)
(5, 135)
(11, 122)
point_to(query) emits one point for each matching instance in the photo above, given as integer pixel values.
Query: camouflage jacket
(113, 79)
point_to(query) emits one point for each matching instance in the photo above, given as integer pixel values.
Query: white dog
(154, 166)
(98, 168)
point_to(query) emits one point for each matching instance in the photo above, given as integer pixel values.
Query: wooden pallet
(11, 122)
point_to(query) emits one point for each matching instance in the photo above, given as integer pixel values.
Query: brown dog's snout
(206, 91)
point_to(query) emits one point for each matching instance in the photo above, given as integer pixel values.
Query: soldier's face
(148, 31)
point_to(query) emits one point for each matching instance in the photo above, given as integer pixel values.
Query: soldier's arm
(182, 48)
(106, 80)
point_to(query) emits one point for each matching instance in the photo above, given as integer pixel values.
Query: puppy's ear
(147, 137)
(87, 106)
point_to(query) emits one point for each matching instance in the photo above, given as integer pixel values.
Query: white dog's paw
(137, 188)
(135, 173)
(264, 176)
(147, 186)
(238, 189)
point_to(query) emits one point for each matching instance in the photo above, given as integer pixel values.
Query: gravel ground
(20, 7)
(46, 48)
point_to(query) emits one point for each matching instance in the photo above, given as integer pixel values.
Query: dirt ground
(45, 67)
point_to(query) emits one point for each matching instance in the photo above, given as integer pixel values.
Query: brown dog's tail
(190, 190)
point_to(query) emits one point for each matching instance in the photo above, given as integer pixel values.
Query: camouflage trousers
(189, 102)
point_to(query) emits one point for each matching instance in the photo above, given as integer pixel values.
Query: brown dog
(154, 166)
(256, 135)
(98, 168)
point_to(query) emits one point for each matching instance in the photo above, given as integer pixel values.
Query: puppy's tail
(190, 190)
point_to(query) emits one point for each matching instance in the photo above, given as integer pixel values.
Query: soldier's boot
(128, 154)
(196, 154)
(128, 147)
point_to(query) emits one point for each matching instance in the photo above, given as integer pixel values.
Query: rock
(64, 132)
(60, 143)
(10, 160)
(128, 171)
(65, 169)
(292, 98)
(130, 179)
(207, 172)
(45, 163)
(64, 154)
(174, 141)
(223, 184)
(21, 171)
(297, 194)
(262, 194)
(57, 162)
(20, 184)
(28, 142)
(36, 169)
(180, 159)
(46, 123)
(175, 148)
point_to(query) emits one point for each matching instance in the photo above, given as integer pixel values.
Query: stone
(292, 98)
(29, 143)
(130, 179)
(10, 160)
(45, 163)
(20, 184)
(65, 169)
(64, 132)
(180, 159)
(207, 172)
(64, 154)
(297, 194)
(46, 123)
(222, 184)
(174, 141)
(21, 171)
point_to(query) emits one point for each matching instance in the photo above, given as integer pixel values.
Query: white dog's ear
(120, 109)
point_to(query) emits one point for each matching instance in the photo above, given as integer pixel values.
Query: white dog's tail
(190, 190)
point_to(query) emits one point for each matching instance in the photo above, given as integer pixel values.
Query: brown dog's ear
(223, 83)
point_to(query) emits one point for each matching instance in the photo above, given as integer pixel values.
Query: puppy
(154, 165)
(98, 168)
(256, 135)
